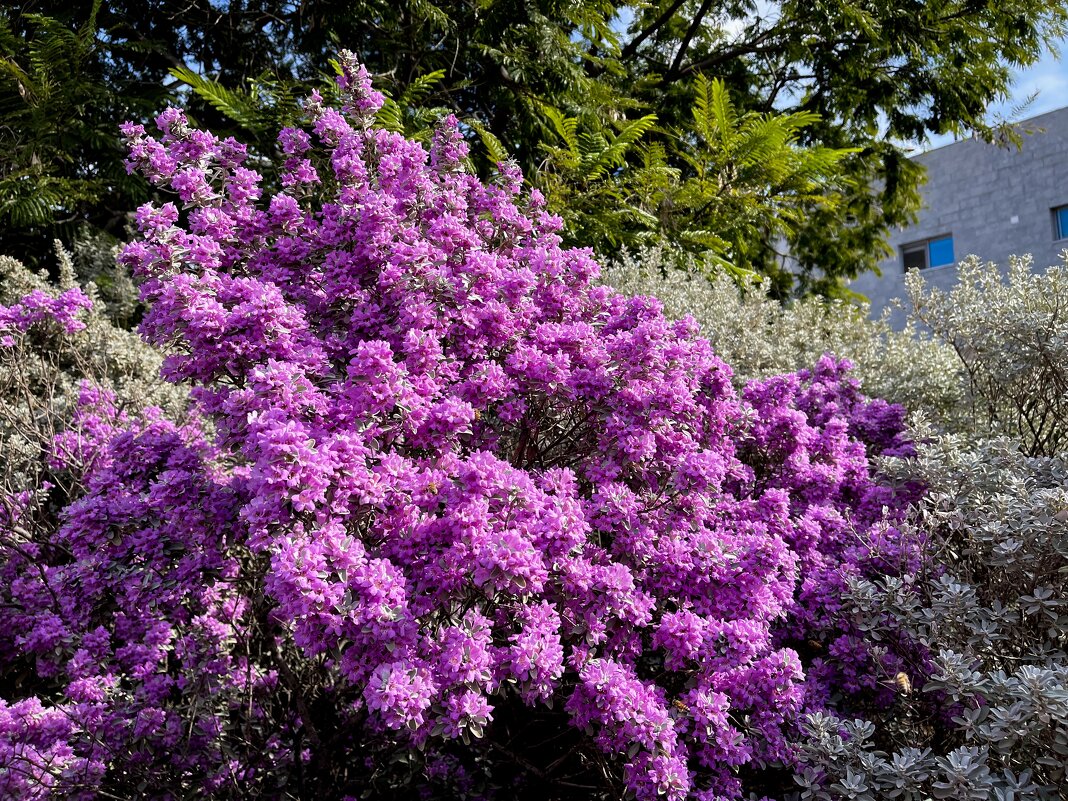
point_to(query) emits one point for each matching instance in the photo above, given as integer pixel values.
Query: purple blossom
(448, 477)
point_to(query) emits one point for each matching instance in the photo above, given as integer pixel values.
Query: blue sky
(1049, 78)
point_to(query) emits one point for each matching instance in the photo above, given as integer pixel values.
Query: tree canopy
(566, 87)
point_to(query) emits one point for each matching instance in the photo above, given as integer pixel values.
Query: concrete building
(985, 200)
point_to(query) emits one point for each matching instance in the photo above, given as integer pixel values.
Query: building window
(929, 253)
(1060, 223)
(915, 257)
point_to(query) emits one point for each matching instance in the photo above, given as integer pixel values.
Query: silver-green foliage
(95, 255)
(41, 372)
(1010, 333)
(996, 625)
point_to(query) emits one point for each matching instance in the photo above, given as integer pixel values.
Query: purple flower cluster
(125, 617)
(38, 308)
(812, 437)
(448, 475)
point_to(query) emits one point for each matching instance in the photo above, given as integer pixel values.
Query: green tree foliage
(821, 77)
(743, 178)
(876, 74)
(60, 161)
(589, 180)
(746, 179)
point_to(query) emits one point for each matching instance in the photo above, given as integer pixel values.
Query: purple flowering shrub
(456, 520)
(120, 626)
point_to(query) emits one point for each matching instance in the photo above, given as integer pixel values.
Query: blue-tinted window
(928, 253)
(941, 251)
(1062, 222)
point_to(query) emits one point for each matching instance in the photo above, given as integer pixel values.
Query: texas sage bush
(448, 519)
(1009, 330)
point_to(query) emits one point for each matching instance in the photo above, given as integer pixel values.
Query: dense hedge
(429, 511)
(448, 516)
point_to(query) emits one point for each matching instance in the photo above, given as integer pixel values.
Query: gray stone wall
(995, 202)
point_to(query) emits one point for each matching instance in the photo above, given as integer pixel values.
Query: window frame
(924, 246)
(1060, 223)
(913, 248)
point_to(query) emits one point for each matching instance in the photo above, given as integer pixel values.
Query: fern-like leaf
(495, 149)
(241, 107)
